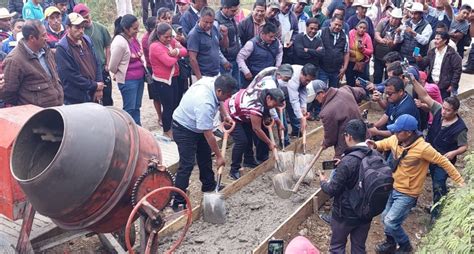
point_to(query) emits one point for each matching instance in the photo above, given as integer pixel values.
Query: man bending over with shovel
(248, 108)
(192, 131)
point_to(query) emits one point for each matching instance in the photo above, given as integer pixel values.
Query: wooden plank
(290, 225)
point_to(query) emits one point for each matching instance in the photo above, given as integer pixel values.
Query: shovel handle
(272, 138)
(304, 136)
(282, 131)
(297, 185)
(224, 144)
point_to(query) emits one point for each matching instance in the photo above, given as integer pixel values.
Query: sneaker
(404, 248)
(326, 217)
(178, 206)
(234, 175)
(389, 246)
(250, 164)
(218, 133)
(468, 70)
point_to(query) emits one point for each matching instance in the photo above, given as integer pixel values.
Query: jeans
(191, 147)
(169, 101)
(294, 121)
(340, 232)
(234, 72)
(132, 93)
(396, 211)
(351, 74)
(439, 177)
(243, 146)
(379, 71)
(107, 98)
(444, 93)
(330, 78)
(286, 137)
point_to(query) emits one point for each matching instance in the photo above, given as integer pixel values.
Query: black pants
(379, 70)
(340, 232)
(444, 93)
(145, 4)
(470, 58)
(107, 96)
(169, 101)
(352, 75)
(191, 147)
(260, 146)
(243, 145)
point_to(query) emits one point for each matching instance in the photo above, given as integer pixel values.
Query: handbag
(148, 76)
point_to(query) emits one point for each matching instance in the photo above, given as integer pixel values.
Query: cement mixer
(87, 167)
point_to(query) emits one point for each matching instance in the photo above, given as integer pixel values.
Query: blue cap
(403, 123)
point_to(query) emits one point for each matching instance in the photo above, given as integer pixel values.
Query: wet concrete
(253, 213)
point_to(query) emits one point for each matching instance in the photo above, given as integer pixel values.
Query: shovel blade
(282, 184)
(301, 163)
(214, 210)
(286, 161)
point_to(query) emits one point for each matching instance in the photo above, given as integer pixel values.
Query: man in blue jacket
(78, 66)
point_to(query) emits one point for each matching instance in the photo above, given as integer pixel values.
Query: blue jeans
(132, 93)
(330, 78)
(234, 72)
(286, 137)
(396, 211)
(439, 177)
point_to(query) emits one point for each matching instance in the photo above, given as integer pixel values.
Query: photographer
(400, 102)
(344, 220)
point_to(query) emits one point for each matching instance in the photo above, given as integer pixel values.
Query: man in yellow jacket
(412, 157)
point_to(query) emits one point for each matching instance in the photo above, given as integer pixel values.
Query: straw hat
(5, 14)
(396, 13)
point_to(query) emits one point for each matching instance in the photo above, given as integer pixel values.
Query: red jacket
(165, 67)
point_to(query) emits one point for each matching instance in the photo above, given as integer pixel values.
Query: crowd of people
(287, 62)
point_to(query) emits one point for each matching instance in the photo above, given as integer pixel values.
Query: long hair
(124, 22)
(160, 30)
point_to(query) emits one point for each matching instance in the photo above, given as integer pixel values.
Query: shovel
(286, 158)
(274, 150)
(213, 203)
(301, 160)
(283, 182)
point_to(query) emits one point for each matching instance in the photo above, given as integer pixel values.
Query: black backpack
(370, 194)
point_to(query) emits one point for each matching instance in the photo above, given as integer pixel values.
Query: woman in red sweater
(361, 49)
(164, 54)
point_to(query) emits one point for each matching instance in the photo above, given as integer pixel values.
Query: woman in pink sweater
(164, 54)
(360, 49)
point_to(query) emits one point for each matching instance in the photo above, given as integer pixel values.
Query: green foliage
(453, 232)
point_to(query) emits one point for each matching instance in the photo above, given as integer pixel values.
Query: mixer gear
(152, 179)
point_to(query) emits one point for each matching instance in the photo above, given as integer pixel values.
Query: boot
(404, 248)
(389, 246)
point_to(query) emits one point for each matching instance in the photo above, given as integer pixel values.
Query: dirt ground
(416, 225)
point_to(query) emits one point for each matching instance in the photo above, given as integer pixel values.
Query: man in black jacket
(307, 47)
(344, 220)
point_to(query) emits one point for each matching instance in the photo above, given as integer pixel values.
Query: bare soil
(416, 225)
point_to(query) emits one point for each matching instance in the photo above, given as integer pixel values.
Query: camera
(275, 246)
(362, 82)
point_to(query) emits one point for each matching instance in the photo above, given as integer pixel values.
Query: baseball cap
(302, 1)
(403, 123)
(273, 5)
(50, 10)
(423, 75)
(81, 9)
(319, 86)
(285, 70)
(277, 94)
(301, 244)
(413, 70)
(75, 19)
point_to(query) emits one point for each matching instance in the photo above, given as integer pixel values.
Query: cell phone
(416, 51)
(329, 165)
(363, 82)
(275, 246)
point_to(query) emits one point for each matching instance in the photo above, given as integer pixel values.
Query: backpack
(370, 194)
